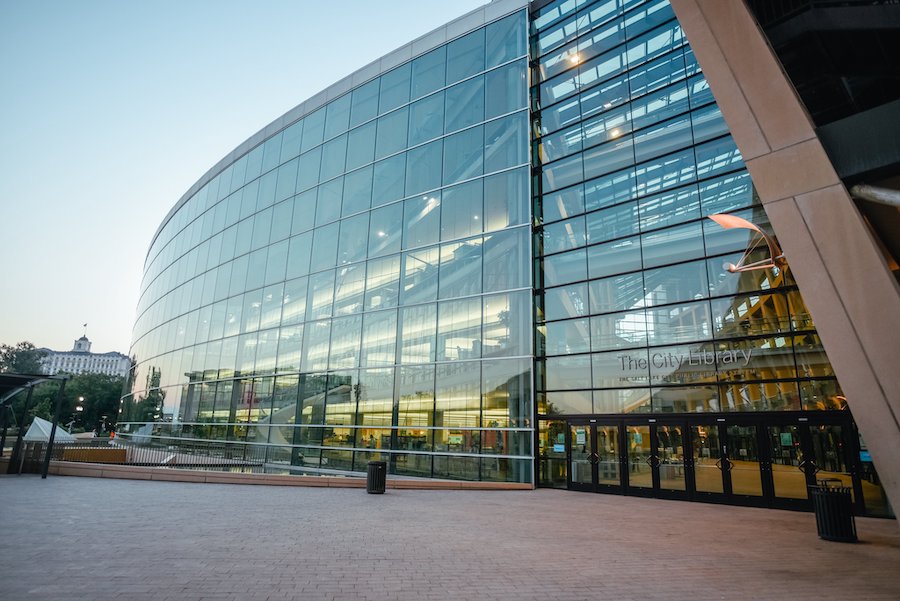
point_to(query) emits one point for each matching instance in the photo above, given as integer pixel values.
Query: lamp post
(79, 408)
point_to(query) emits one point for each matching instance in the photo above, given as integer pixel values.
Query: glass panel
(465, 105)
(608, 455)
(506, 397)
(568, 373)
(382, 283)
(552, 444)
(421, 220)
(315, 345)
(426, 119)
(415, 391)
(325, 241)
(507, 321)
(567, 301)
(456, 405)
(461, 210)
(506, 202)
(743, 457)
(787, 456)
(357, 194)
(563, 235)
(505, 142)
(707, 459)
(328, 206)
(565, 267)
(581, 452)
(385, 230)
(334, 155)
(294, 309)
(388, 182)
(614, 257)
(304, 211)
(428, 72)
(321, 295)
(670, 452)
(361, 146)
(353, 239)
(375, 405)
(423, 167)
(392, 131)
(349, 285)
(313, 129)
(364, 103)
(465, 56)
(345, 338)
(828, 453)
(420, 275)
(566, 337)
(637, 440)
(459, 330)
(506, 89)
(464, 155)
(379, 338)
(394, 88)
(505, 40)
(460, 269)
(337, 116)
(418, 327)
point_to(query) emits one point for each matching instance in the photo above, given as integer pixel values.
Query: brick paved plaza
(100, 539)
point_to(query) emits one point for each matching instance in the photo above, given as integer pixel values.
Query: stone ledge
(99, 470)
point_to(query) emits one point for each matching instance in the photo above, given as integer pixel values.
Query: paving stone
(102, 539)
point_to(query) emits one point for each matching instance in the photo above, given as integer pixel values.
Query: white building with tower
(80, 360)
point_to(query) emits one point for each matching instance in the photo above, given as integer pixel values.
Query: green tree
(23, 358)
(97, 394)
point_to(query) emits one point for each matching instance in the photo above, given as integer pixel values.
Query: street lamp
(78, 409)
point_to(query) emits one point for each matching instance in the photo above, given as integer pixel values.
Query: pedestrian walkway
(124, 540)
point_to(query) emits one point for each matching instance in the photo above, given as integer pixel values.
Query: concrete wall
(846, 283)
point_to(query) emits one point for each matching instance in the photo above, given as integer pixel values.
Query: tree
(23, 358)
(97, 394)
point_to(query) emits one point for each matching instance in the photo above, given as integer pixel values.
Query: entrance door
(760, 460)
(709, 461)
(594, 456)
(656, 451)
(806, 452)
(743, 464)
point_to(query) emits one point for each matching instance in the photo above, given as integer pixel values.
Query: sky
(111, 110)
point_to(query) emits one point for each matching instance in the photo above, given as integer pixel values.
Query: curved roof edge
(470, 21)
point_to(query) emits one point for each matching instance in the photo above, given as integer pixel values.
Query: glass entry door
(656, 451)
(760, 460)
(595, 458)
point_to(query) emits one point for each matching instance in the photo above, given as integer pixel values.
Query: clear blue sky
(111, 110)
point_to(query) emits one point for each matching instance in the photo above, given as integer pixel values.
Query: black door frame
(721, 421)
(591, 424)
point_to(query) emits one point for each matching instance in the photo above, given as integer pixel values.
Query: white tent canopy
(40, 432)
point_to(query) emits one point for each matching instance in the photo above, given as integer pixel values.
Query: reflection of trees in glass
(149, 408)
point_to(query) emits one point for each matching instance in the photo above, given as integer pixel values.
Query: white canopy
(40, 432)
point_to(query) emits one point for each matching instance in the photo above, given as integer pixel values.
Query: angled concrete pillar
(847, 285)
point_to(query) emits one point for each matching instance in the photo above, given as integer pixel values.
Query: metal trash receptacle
(834, 512)
(376, 477)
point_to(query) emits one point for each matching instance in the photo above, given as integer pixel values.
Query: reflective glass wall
(636, 310)
(358, 286)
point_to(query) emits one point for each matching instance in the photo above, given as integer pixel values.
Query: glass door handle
(725, 464)
(652, 461)
(594, 458)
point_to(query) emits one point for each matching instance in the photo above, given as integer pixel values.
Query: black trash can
(834, 512)
(376, 477)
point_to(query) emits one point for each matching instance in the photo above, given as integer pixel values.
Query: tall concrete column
(848, 287)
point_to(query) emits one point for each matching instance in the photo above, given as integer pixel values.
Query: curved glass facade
(494, 261)
(358, 285)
